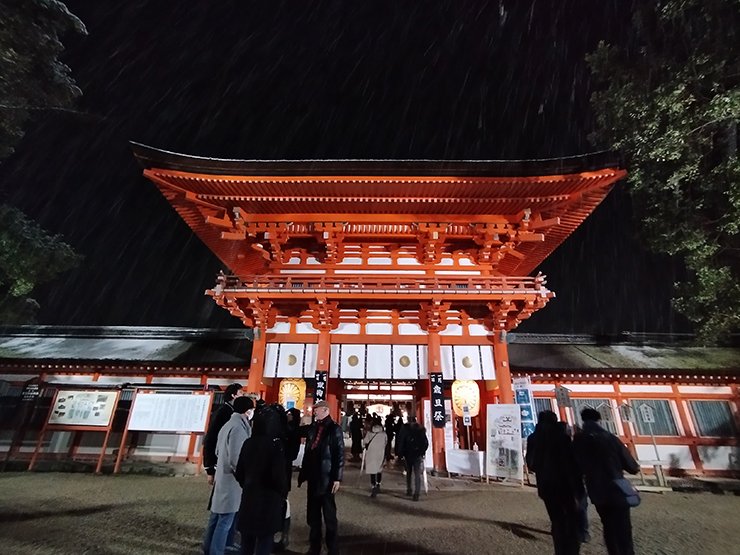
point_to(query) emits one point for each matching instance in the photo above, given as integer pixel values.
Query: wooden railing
(466, 284)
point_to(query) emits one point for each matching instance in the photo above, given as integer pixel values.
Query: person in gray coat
(227, 492)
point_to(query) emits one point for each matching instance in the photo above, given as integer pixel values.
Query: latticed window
(604, 407)
(713, 418)
(540, 405)
(664, 425)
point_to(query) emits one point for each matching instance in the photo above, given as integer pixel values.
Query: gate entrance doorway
(381, 398)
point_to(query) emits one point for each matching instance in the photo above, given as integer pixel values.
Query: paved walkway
(51, 513)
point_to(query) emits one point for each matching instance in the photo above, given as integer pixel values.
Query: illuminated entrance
(382, 271)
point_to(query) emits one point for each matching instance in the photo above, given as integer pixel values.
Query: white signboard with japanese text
(83, 408)
(170, 412)
(504, 442)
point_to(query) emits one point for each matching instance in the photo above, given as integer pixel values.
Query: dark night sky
(284, 80)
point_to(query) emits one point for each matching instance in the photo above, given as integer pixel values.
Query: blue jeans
(219, 533)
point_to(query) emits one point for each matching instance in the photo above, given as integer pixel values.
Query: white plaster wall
(306, 327)
(59, 378)
(719, 458)
(452, 330)
(379, 329)
(112, 380)
(676, 456)
(588, 388)
(347, 328)
(477, 330)
(698, 389)
(632, 388)
(410, 329)
(169, 380)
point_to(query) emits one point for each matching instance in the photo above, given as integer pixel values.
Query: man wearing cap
(322, 469)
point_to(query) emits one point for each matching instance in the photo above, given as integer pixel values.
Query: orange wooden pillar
(434, 366)
(323, 354)
(257, 363)
(501, 364)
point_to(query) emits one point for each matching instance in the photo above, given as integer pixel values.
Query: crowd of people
(248, 454)
(561, 465)
(250, 449)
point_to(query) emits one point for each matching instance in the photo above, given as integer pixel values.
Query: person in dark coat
(413, 446)
(322, 469)
(355, 430)
(261, 473)
(390, 431)
(218, 419)
(559, 483)
(292, 448)
(602, 458)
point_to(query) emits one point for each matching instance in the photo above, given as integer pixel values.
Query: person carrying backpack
(414, 446)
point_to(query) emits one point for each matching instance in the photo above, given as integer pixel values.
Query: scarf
(321, 426)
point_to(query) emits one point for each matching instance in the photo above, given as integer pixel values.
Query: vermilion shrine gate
(377, 274)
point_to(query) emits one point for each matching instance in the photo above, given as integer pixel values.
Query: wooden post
(99, 467)
(434, 366)
(119, 458)
(257, 363)
(501, 363)
(43, 432)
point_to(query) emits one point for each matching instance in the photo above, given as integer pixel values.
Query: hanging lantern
(292, 393)
(465, 392)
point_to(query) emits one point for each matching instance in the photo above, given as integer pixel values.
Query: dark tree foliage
(669, 99)
(32, 79)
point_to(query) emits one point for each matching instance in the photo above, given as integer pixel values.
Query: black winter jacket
(602, 457)
(218, 419)
(322, 468)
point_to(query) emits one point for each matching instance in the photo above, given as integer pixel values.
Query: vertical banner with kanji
(320, 393)
(525, 400)
(438, 403)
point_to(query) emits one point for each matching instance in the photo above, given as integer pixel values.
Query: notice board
(170, 412)
(82, 408)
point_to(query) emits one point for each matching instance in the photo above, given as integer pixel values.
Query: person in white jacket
(374, 443)
(227, 492)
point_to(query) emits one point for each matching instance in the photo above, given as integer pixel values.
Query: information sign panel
(504, 442)
(82, 408)
(169, 412)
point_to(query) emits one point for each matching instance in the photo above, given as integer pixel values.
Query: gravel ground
(45, 513)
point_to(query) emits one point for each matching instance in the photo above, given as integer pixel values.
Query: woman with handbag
(375, 441)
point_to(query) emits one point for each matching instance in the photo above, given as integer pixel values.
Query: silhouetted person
(559, 483)
(355, 430)
(602, 458)
(322, 469)
(292, 448)
(261, 473)
(390, 430)
(414, 444)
